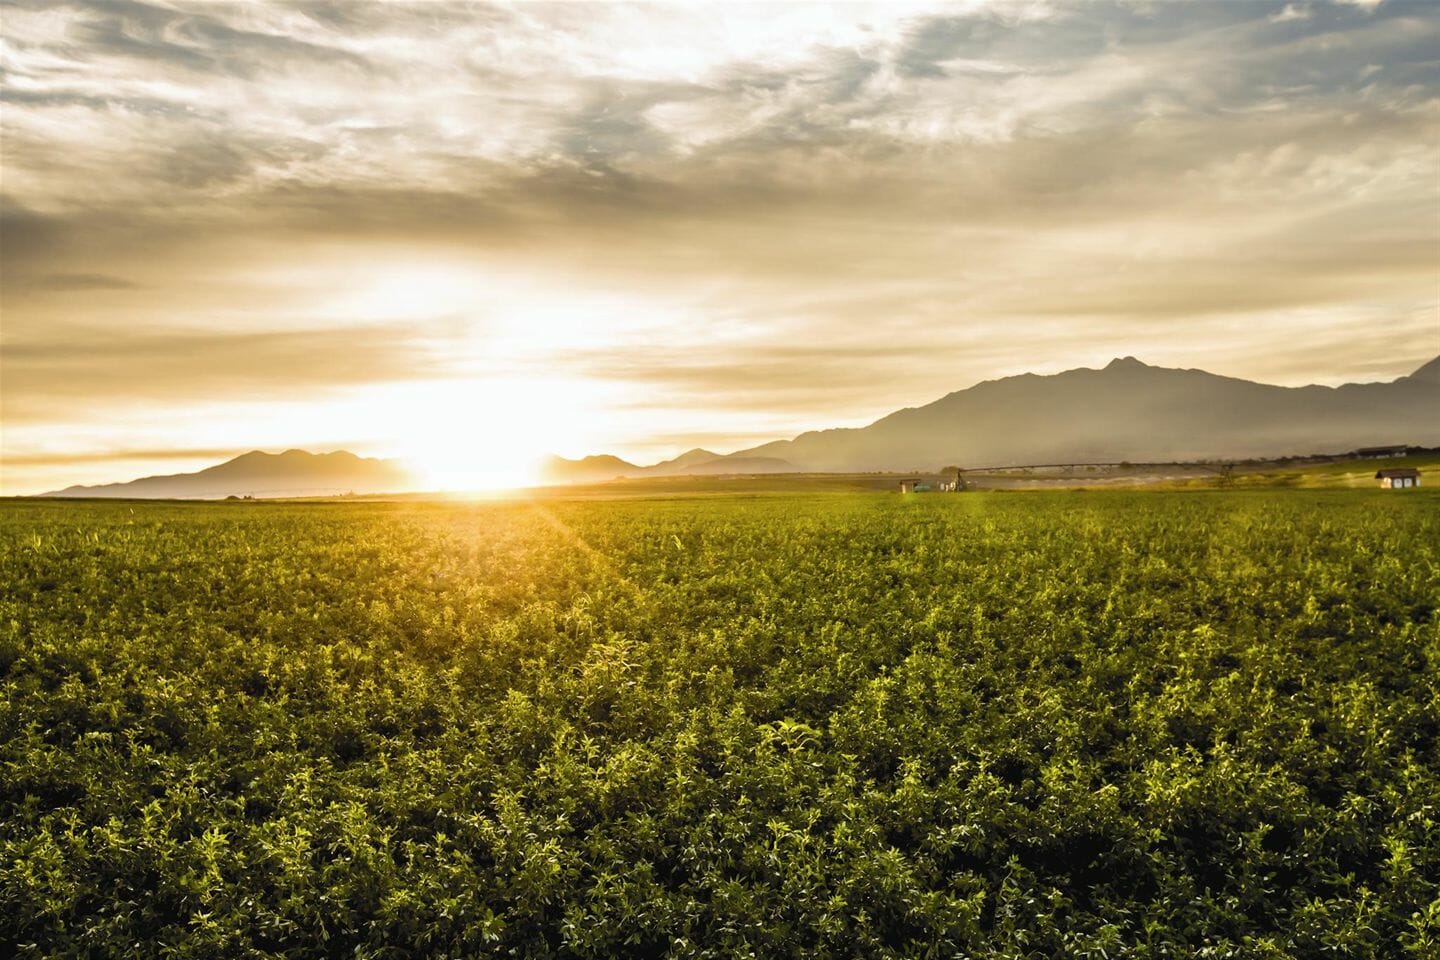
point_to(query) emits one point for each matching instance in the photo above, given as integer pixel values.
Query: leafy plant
(1128, 724)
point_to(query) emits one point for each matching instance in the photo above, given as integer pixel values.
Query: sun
(460, 471)
(481, 434)
(501, 387)
(490, 433)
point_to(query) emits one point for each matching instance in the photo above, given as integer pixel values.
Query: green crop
(848, 725)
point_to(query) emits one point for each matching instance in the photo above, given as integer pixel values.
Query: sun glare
(498, 390)
(489, 434)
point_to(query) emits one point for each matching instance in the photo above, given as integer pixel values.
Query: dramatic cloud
(693, 222)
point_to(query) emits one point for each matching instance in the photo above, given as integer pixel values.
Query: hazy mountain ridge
(294, 473)
(690, 458)
(1126, 410)
(602, 467)
(1429, 373)
(592, 469)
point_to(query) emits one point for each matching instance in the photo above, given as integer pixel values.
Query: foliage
(1027, 725)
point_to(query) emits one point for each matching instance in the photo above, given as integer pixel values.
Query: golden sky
(472, 234)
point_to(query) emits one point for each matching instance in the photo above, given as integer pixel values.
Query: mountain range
(294, 473)
(1126, 410)
(695, 462)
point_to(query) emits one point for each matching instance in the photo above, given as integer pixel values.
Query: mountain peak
(293, 455)
(1129, 410)
(1429, 372)
(694, 455)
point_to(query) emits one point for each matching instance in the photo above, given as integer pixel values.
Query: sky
(474, 234)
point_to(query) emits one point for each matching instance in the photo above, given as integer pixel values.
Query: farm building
(1398, 479)
(1381, 453)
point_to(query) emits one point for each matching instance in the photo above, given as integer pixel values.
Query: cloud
(1291, 11)
(561, 129)
(198, 37)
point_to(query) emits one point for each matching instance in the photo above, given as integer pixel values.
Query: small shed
(1398, 479)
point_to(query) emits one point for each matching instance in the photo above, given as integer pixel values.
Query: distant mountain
(736, 464)
(294, 473)
(1126, 411)
(697, 462)
(689, 460)
(596, 469)
(1429, 373)
(700, 462)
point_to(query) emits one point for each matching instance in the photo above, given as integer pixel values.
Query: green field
(1051, 724)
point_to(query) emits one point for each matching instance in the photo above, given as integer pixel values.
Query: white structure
(1398, 479)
